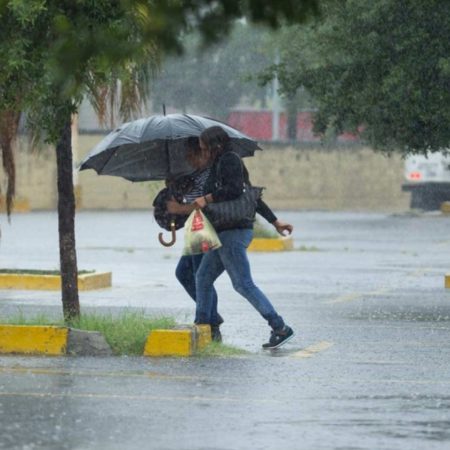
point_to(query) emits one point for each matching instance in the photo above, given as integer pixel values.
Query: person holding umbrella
(188, 265)
(226, 181)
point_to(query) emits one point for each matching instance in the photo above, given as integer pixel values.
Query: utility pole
(276, 103)
(74, 142)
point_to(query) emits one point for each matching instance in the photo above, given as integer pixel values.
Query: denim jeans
(231, 257)
(185, 272)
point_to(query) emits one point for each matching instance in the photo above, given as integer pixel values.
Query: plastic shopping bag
(199, 235)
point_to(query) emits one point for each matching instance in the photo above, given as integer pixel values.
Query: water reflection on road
(368, 368)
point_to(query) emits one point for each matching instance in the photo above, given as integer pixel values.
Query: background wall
(352, 178)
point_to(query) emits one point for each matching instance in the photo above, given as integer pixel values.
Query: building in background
(258, 124)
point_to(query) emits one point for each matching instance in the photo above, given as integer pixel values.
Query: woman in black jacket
(188, 265)
(226, 182)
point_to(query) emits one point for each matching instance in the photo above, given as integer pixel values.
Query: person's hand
(173, 207)
(200, 202)
(281, 227)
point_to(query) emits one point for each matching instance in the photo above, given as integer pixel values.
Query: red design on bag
(197, 222)
(205, 246)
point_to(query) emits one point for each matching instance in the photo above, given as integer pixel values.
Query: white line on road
(420, 272)
(312, 349)
(384, 290)
(357, 296)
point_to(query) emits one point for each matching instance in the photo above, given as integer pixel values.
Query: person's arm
(201, 202)
(281, 227)
(263, 209)
(173, 207)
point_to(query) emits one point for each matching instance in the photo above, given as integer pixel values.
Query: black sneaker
(278, 338)
(216, 335)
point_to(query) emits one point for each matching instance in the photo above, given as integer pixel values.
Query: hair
(193, 149)
(192, 146)
(216, 139)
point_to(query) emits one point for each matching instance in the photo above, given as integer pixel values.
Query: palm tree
(133, 92)
(34, 85)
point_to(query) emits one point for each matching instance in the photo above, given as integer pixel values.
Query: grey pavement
(368, 368)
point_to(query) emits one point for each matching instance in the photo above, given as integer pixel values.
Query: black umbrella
(154, 148)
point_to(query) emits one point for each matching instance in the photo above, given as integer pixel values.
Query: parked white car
(428, 180)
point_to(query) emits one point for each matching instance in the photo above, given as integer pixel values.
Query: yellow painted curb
(169, 343)
(445, 207)
(183, 341)
(30, 339)
(35, 282)
(447, 281)
(100, 280)
(20, 205)
(271, 245)
(203, 336)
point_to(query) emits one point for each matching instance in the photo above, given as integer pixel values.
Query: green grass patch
(40, 272)
(38, 319)
(125, 333)
(261, 231)
(219, 349)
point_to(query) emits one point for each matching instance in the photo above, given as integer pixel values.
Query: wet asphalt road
(368, 369)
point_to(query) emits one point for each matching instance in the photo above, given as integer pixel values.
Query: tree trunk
(66, 225)
(9, 122)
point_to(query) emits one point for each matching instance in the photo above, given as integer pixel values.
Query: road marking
(306, 379)
(384, 290)
(80, 373)
(345, 298)
(312, 349)
(420, 272)
(356, 296)
(138, 397)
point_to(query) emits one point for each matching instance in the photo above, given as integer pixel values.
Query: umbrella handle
(174, 237)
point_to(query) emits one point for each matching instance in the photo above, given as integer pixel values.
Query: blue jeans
(185, 272)
(232, 257)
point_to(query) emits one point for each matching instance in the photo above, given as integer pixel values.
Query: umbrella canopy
(154, 148)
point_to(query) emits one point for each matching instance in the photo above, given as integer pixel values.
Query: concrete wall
(342, 178)
(333, 179)
(35, 176)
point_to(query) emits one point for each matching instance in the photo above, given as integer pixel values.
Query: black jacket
(226, 182)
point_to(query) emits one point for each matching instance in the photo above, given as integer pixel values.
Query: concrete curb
(20, 205)
(59, 341)
(24, 281)
(447, 281)
(271, 245)
(445, 207)
(181, 341)
(87, 343)
(51, 341)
